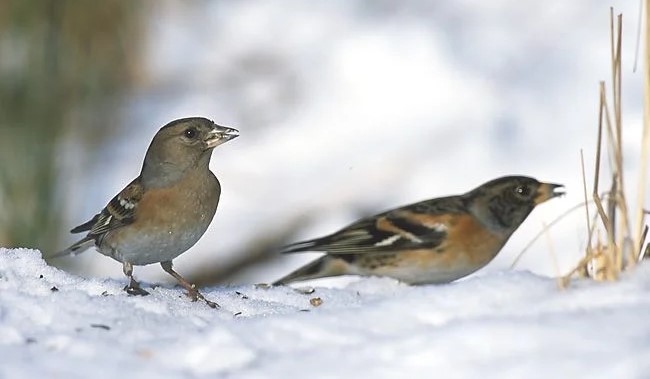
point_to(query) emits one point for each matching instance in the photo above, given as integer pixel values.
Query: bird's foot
(134, 289)
(192, 292)
(195, 295)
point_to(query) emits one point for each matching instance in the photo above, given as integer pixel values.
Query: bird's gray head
(503, 204)
(180, 146)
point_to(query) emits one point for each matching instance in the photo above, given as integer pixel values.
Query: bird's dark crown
(188, 120)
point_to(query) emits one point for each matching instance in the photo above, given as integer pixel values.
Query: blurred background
(345, 107)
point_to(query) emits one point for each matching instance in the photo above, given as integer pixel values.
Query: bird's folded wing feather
(417, 226)
(120, 211)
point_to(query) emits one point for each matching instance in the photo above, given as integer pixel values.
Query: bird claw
(195, 295)
(135, 290)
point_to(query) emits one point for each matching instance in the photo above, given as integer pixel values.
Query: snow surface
(499, 325)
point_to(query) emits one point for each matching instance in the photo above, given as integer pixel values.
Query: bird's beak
(547, 191)
(220, 134)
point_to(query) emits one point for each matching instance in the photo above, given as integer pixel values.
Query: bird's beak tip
(548, 191)
(557, 190)
(221, 134)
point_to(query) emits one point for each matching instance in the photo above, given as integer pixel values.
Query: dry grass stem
(645, 140)
(584, 191)
(623, 247)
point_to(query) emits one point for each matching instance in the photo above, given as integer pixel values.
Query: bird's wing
(417, 226)
(118, 212)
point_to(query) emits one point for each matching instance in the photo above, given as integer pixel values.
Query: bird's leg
(192, 292)
(134, 287)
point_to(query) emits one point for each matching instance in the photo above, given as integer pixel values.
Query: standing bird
(433, 241)
(167, 208)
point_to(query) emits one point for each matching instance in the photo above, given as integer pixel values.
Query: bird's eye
(190, 133)
(522, 191)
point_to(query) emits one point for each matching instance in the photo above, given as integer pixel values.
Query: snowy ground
(498, 325)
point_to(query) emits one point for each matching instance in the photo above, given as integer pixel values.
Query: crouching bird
(433, 241)
(165, 210)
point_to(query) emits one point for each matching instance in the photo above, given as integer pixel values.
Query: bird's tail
(322, 267)
(298, 247)
(76, 248)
